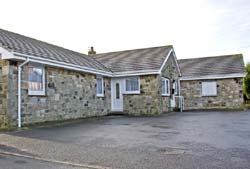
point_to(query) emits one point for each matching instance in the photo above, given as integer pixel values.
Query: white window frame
(102, 93)
(132, 92)
(203, 93)
(167, 86)
(34, 92)
(175, 87)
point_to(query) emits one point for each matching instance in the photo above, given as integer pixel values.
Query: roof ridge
(133, 49)
(238, 54)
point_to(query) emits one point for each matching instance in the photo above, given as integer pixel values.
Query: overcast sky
(195, 28)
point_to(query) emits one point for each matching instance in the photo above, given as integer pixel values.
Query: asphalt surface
(13, 162)
(216, 140)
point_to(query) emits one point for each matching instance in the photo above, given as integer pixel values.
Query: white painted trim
(64, 65)
(135, 73)
(132, 92)
(178, 67)
(81, 68)
(179, 87)
(6, 54)
(19, 56)
(166, 87)
(227, 76)
(42, 92)
(69, 66)
(98, 94)
(165, 61)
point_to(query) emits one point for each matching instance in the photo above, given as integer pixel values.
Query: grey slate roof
(29, 46)
(216, 65)
(134, 60)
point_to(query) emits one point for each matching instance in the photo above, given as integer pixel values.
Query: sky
(196, 28)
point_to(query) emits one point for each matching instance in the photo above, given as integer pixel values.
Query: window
(209, 89)
(132, 85)
(165, 87)
(117, 87)
(99, 87)
(175, 87)
(36, 80)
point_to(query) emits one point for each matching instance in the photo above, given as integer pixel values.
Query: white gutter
(20, 92)
(64, 65)
(34, 59)
(226, 76)
(135, 73)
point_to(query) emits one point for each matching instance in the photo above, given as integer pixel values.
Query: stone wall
(148, 102)
(4, 65)
(7, 73)
(229, 95)
(169, 71)
(69, 95)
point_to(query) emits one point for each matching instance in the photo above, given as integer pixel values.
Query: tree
(247, 81)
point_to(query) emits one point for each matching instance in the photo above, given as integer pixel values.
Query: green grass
(247, 105)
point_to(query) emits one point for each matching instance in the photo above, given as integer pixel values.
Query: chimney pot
(91, 51)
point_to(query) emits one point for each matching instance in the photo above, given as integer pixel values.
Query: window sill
(100, 95)
(36, 93)
(209, 95)
(165, 95)
(132, 92)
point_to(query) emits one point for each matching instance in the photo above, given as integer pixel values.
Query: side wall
(229, 95)
(8, 102)
(69, 95)
(4, 66)
(148, 102)
(169, 71)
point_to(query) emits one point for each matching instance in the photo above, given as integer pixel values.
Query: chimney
(91, 51)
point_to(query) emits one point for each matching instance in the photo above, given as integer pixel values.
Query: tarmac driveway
(177, 140)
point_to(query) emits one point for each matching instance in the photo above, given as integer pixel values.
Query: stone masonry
(169, 71)
(6, 75)
(229, 94)
(69, 95)
(3, 93)
(150, 100)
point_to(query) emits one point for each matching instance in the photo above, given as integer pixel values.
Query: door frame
(114, 81)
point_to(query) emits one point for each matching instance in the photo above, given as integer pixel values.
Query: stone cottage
(42, 82)
(212, 82)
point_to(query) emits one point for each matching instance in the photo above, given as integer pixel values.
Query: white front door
(116, 95)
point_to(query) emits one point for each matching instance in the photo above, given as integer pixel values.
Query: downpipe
(20, 92)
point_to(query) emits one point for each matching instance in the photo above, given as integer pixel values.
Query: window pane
(209, 89)
(117, 88)
(163, 86)
(132, 84)
(35, 78)
(99, 87)
(167, 87)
